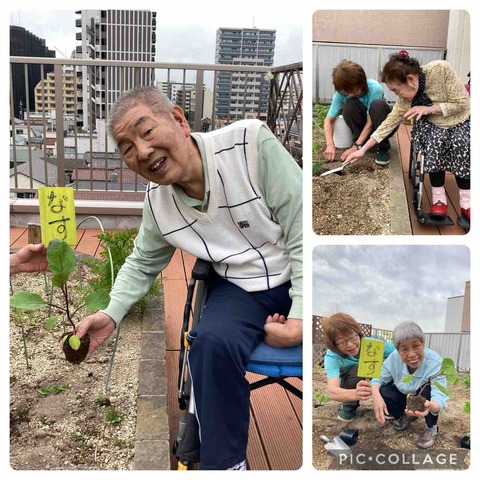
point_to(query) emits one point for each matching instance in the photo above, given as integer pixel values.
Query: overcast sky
(386, 284)
(183, 34)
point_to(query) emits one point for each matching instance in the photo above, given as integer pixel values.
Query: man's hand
(283, 332)
(352, 157)
(99, 327)
(30, 258)
(330, 153)
(346, 153)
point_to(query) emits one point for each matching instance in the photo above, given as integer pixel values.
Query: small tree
(62, 262)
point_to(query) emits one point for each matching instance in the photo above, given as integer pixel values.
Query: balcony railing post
(198, 101)
(59, 124)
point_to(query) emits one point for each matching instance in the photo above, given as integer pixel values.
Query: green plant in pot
(416, 403)
(61, 263)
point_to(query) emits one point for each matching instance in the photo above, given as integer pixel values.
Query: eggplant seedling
(61, 263)
(416, 403)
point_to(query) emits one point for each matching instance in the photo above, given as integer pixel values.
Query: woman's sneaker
(346, 414)
(382, 157)
(438, 210)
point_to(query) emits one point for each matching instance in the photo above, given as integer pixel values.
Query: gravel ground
(69, 430)
(354, 202)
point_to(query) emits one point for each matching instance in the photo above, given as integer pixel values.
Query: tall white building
(125, 35)
(242, 95)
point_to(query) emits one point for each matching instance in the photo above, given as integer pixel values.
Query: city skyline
(171, 44)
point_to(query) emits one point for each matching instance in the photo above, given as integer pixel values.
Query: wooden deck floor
(275, 441)
(403, 138)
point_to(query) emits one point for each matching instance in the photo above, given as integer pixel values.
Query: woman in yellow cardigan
(439, 103)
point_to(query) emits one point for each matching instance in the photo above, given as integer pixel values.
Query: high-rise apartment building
(45, 92)
(25, 44)
(124, 35)
(242, 95)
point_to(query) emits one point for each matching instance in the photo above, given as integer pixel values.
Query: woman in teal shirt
(343, 336)
(362, 103)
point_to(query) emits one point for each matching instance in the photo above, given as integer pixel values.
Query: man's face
(155, 146)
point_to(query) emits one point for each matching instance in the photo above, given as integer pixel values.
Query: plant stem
(24, 340)
(67, 304)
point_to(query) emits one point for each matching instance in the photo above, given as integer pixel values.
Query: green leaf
(444, 390)
(27, 301)
(74, 342)
(61, 260)
(449, 371)
(96, 300)
(408, 379)
(112, 416)
(63, 339)
(466, 407)
(53, 389)
(60, 279)
(50, 322)
(316, 167)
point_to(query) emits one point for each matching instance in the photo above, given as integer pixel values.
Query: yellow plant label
(371, 358)
(57, 214)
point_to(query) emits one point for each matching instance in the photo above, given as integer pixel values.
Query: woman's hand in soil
(347, 152)
(380, 409)
(363, 390)
(352, 157)
(330, 153)
(99, 327)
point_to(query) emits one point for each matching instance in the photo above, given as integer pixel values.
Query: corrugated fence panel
(452, 345)
(370, 57)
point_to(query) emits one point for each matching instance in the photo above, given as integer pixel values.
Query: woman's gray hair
(149, 96)
(407, 331)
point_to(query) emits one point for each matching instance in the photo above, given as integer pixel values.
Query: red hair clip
(403, 54)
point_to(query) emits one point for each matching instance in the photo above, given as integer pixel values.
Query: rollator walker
(276, 364)
(416, 174)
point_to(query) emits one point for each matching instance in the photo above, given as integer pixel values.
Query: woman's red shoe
(438, 210)
(466, 213)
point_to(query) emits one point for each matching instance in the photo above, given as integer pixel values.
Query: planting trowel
(336, 446)
(336, 170)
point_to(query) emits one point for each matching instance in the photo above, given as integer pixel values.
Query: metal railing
(74, 134)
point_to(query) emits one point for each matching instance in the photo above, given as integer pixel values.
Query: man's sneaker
(438, 210)
(403, 422)
(346, 414)
(466, 213)
(383, 157)
(427, 439)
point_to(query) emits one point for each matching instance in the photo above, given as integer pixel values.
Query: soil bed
(453, 424)
(354, 202)
(81, 426)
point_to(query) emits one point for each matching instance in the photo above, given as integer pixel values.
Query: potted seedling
(416, 403)
(62, 262)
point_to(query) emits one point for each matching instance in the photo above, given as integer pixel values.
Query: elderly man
(232, 197)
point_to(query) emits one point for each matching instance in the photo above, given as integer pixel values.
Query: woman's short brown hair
(399, 66)
(339, 323)
(349, 76)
